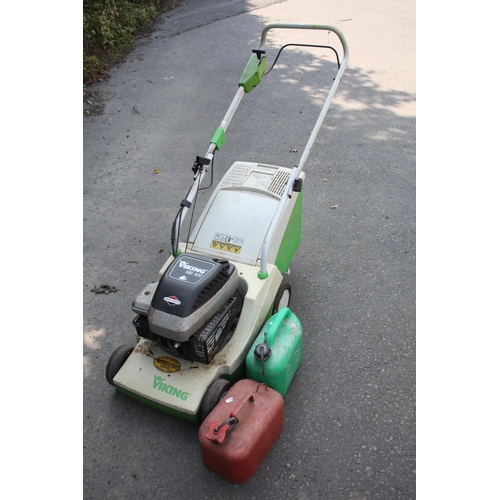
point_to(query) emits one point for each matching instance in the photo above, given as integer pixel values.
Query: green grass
(109, 29)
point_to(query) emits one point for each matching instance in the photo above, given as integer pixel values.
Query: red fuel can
(238, 434)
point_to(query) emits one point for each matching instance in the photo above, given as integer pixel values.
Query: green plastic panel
(218, 138)
(291, 238)
(238, 374)
(254, 71)
(195, 419)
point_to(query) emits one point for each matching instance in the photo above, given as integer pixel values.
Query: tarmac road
(350, 410)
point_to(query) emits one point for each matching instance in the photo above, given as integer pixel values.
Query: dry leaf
(104, 289)
(156, 171)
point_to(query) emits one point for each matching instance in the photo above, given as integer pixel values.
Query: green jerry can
(276, 353)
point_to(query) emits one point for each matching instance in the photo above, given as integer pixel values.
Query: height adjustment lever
(259, 52)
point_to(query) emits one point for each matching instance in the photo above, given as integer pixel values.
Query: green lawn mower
(218, 311)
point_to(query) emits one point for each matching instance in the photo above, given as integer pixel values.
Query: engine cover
(192, 289)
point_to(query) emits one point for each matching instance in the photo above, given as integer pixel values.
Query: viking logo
(168, 389)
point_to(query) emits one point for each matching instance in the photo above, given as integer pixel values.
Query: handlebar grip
(300, 26)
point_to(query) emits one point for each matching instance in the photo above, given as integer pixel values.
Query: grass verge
(110, 27)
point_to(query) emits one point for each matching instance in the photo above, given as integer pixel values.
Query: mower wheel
(116, 361)
(214, 394)
(282, 297)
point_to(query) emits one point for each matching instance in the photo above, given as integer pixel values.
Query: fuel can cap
(263, 352)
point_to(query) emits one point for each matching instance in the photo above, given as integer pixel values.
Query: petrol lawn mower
(198, 322)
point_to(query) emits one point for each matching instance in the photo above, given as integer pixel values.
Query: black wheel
(282, 297)
(214, 394)
(116, 361)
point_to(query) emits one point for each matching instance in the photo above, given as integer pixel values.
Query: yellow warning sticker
(227, 243)
(227, 247)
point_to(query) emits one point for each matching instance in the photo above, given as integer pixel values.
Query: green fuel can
(276, 353)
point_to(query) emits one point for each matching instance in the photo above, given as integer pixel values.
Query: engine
(192, 311)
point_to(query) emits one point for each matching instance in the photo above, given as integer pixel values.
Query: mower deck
(176, 385)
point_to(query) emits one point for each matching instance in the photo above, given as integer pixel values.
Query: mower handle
(298, 169)
(333, 89)
(245, 85)
(300, 26)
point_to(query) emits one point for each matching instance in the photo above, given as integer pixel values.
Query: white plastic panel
(235, 226)
(235, 221)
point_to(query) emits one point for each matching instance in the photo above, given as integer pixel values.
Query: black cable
(211, 176)
(175, 234)
(174, 240)
(176, 226)
(192, 213)
(303, 45)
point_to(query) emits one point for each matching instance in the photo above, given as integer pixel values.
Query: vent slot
(279, 182)
(237, 175)
(215, 285)
(267, 178)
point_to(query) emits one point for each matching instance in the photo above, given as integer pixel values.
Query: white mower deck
(178, 385)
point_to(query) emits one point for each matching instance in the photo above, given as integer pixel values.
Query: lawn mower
(198, 321)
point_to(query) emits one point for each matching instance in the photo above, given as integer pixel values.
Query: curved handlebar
(300, 26)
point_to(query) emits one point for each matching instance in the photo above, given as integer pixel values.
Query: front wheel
(214, 394)
(116, 361)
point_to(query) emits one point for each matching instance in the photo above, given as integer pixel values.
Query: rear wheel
(116, 361)
(214, 394)
(282, 297)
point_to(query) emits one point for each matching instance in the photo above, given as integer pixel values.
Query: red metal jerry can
(238, 434)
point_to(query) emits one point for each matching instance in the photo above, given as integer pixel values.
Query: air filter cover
(192, 289)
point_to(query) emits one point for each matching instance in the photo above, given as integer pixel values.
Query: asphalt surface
(350, 410)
